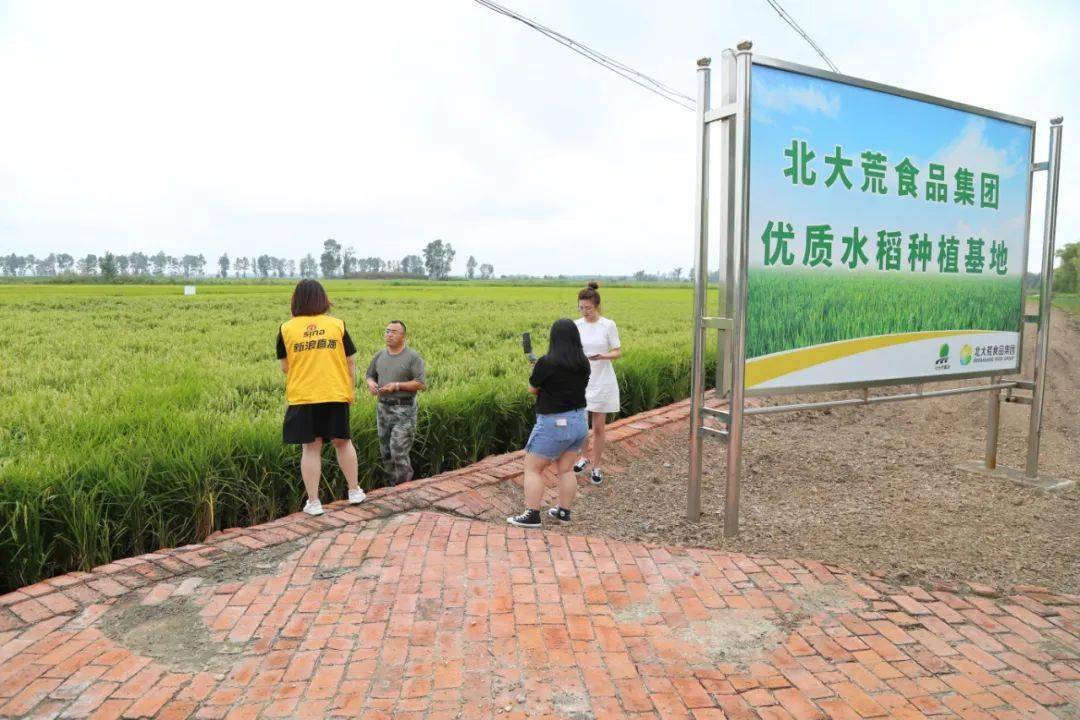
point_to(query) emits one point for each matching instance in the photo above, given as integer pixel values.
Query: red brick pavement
(412, 606)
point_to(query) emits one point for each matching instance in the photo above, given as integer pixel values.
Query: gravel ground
(874, 487)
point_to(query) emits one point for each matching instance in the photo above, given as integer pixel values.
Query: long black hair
(564, 346)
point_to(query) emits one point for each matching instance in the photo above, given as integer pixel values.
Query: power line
(619, 68)
(795, 26)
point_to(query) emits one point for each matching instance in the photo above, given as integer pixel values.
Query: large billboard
(888, 234)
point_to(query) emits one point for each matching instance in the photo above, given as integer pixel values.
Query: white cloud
(785, 98)
(973, 151)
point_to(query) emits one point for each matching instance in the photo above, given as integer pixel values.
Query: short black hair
(404, 330)
(309, 298)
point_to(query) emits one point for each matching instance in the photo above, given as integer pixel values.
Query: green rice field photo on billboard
(887, 235)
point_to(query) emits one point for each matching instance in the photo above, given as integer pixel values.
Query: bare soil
(173, 632)
(875, 487)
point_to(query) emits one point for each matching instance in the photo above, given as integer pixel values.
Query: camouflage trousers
(397, 427)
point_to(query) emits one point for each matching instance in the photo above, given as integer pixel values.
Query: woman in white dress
(600, 340)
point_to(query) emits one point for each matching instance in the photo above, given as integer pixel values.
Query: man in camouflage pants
(395, 375)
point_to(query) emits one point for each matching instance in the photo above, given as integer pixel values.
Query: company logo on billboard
(1003, 353)
(966, 354)
(942, 362)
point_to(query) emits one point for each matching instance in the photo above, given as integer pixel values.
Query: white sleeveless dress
(602, 393)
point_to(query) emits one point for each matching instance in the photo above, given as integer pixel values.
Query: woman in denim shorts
(558, 381)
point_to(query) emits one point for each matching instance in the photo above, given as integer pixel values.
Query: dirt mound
(875, 487)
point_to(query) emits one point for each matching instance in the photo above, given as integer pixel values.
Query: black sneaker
(597, 476)
(581, 464)
(527, 519)
(558, 513)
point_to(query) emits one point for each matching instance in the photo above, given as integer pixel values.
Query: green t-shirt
(405, 366)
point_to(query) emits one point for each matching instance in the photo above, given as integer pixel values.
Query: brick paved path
(412, 606)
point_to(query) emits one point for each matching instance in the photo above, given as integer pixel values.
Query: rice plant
(136, 418)
(842, 306)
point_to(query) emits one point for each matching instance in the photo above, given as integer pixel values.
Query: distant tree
(11, 264)
(438, 258)
(65, 262)
(173, 265)
(393, 266)
(123, 262)
(159, 262)
(412, 265)
(330, 260)
(263, 265)
(640, 275)
(486, 271)
(676, 274)
(277, 266)
(88, 265)
(1067, 274)
(348, 261)
(308, 267)
(187, 265)
(291, 271)
(140, 264)
(240, 267)
(470, 268)
(371, 264)
(223, 266)
(107, 263)
(46, 266)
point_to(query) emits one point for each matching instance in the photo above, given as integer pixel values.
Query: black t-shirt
(561, 389)
(346, 343)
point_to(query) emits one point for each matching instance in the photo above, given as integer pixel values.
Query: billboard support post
(739, 245)
(1042, 341)
(701, 281)
(993, 417)
(727, 215)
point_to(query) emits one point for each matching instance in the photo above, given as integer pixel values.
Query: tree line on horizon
(335, 261)
(1067, 274)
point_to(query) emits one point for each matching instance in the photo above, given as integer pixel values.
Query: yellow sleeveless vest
(318, 372)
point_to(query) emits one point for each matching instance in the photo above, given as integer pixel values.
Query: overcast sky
(249, 128)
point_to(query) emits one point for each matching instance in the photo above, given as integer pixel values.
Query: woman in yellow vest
(319, 361)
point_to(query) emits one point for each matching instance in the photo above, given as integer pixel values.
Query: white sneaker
(313, 507)
(356, 496)
(581, 464)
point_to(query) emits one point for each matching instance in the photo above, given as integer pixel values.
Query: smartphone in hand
(526, 346)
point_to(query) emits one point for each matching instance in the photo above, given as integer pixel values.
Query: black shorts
(305, 423)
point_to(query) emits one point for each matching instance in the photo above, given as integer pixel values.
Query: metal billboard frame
(733, 118)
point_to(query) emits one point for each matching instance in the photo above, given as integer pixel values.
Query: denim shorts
(554, 434)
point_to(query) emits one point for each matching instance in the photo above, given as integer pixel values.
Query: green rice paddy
(798, 309)
(135, 418)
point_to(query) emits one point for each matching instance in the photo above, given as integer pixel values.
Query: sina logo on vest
(313, 330)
